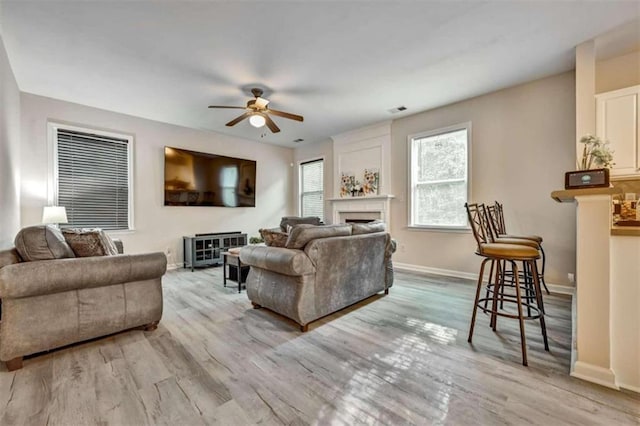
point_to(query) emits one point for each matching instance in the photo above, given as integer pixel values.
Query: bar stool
(496, 214)
(504, 254)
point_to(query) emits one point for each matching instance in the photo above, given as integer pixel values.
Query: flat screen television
(200, 179)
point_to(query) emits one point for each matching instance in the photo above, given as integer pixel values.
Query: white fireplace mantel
(378, 206)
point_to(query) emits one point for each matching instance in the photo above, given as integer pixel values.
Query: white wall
(9, 152)
(313, 151)
(523, 141)
(618, 72)
(625, 316)
(157, 228)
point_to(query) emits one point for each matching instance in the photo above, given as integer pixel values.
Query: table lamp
(54, 215)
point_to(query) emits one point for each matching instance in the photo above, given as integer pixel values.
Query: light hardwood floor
(396, 359)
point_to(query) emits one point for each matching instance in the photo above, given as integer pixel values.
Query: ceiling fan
(258, 112)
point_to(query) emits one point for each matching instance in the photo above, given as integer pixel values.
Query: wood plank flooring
(391, 360)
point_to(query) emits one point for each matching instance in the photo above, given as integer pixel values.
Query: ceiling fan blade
(270, 124)
(238, 119)
(228, 107)
(286, 115)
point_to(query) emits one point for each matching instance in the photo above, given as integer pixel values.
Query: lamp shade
(54, 214)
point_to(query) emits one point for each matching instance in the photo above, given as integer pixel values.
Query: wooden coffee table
(229, 261)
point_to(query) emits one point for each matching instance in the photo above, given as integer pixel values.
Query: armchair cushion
(42, 242)
(300, 235)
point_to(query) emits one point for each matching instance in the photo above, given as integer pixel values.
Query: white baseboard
(553, 288)
(561, 289)
(172, 266)
(629, 387)
(593, 373)
(436, 271)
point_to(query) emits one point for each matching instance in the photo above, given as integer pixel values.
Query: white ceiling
(340, 64)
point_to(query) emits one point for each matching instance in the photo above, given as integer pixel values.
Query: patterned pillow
(273, 238)
(89, 242)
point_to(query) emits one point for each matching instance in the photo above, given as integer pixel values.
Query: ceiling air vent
(397, 109)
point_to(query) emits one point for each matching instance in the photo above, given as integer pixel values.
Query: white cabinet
(617, 118)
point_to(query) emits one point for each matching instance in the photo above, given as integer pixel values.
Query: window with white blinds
(312, 189)
(93, 181)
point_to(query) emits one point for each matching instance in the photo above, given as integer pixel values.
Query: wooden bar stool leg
(543, 326)
(526, 275)
(475, 301)
(544, 261)
(523, 339)
(486, 296)
(497, 289)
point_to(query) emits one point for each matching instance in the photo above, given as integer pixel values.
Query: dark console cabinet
(206, 249)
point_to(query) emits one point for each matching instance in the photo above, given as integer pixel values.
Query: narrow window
(439, 178)
(312, 188)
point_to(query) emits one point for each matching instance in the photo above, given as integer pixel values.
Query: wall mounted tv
(200, 179)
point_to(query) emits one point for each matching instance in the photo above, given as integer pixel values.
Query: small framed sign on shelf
(596, 178)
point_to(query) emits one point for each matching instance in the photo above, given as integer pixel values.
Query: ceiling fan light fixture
(257, 120)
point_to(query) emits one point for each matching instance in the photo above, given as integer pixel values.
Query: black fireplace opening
(359, 220)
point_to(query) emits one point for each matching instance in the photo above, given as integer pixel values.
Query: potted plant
(595, 153)
(593, 167)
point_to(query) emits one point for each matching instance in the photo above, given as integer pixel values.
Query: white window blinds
(93, 179)
(311, 188)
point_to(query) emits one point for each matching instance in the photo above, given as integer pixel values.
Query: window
(312, 188)
(92, 177)
(439, 177)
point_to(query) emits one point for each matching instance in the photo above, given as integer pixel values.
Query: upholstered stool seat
(536, 238)
(501, 250)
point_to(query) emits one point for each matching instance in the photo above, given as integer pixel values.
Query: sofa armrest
(54, 276)
(277, 259)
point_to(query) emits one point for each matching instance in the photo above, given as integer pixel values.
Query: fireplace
(361, 209)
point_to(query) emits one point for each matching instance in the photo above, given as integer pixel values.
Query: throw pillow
(42, 242)
(89, 242)
(295, 220)
(301, 234)
(368, 228)
(273, 238)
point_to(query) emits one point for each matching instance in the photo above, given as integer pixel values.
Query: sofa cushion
(42, 242)
(368, 228)
(296, 220)
(301, 234)
(273, 237)
(89, 242)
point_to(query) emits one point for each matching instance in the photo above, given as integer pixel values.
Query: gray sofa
(47, 304)
(323, 269)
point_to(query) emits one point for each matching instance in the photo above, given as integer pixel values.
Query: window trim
(299, 171)
(52, 190)
(452, 128)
